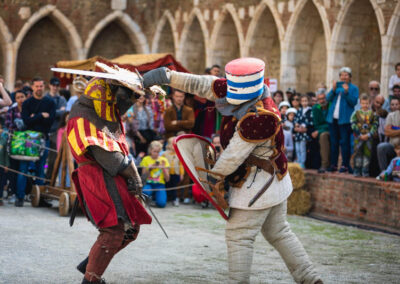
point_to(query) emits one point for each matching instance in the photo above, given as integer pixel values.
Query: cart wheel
(35, 196)
(63, 206)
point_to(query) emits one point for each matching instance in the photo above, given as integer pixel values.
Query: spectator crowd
(330, 130)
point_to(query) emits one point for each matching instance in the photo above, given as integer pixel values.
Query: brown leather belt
(265, 165)
(86, 163)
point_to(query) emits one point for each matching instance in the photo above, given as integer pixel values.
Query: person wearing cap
(342, 98)
(60, 101)
(289, 93)
(319, 113)
(78, 87)
(283, 106)
(250, 125)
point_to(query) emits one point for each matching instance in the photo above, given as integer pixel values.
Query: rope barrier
(24, 174)
(47, 180)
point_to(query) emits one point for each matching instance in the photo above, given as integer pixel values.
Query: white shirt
(337, 108)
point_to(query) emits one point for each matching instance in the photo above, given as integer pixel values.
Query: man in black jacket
(38, 113)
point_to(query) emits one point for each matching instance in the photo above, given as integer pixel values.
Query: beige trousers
(324, 146)
(241, 231)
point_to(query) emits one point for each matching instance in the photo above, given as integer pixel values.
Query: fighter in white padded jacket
(250, 127)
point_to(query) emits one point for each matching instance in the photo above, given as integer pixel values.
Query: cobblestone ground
(38, 246)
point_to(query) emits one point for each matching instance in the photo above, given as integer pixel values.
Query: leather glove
(156, 77)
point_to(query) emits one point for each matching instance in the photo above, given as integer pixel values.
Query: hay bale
(297, 175)
(299, 202)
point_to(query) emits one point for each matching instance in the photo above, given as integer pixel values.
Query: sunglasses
(295, 100)
(374, 89)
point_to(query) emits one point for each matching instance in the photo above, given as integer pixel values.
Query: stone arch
(130, 27)
(65, 32)
(357, 42)
(165, 39)
(193, 44)
(227, 37)
(63, 23)
(5, 53)
(42, 46)
(263, 38)
(304, 54)
(391, 52)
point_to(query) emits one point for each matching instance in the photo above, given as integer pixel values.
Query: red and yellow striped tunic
(82, 134)
(89, 177)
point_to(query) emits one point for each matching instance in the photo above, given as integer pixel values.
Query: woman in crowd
(295, 101)
(278, 97)
(302, 125)
(343, 98)
(13, 123)
(143, 114)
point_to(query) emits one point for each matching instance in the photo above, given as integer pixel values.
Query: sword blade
(262, 190)
(88, 73)
(145, 200)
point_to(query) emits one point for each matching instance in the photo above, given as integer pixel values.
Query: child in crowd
(364, 124)
(283, 106)
(288, 133)
(393, 170)
(156, 173)
(303, 122)
(176, 170)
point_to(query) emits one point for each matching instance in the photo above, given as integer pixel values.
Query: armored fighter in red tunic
(106, 181)
(253, 161)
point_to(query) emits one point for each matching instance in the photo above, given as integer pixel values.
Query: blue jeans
(39, 172)
(161, 195)
(340, 135)
(3, 181)
(301, 152)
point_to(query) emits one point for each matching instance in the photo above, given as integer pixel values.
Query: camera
(218, 149)
(157, 163)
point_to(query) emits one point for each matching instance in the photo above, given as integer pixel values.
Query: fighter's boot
(101, 281)
(82, 266)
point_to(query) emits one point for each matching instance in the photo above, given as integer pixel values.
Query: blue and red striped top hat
(245, 79)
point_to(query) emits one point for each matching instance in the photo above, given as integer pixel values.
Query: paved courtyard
(38, 246)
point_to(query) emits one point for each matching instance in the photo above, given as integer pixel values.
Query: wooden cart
(65, 195)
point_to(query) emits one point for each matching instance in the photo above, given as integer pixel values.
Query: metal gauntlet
(133, 179)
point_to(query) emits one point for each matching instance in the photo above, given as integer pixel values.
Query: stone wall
(43, 45)
(359, 201)
(112, 42)
(303, 42)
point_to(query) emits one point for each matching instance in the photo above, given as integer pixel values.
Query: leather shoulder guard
(260, 126)
(219, 87)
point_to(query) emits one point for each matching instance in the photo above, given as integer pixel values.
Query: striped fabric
(103, 100)
(82, 134)
(245, 79)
